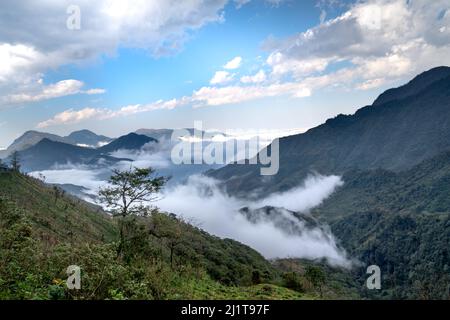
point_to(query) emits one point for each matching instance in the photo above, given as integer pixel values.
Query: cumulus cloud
(221, 77)
(205, 96)
(58, 89)
(381, 40)
(240, 3)
(374, 43)
(234, 63)
(214, 96)
(72, 116)
(260, 76)
(34, 36)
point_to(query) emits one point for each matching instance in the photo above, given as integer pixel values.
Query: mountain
(404, 127)
(416, 85)
(399, 221)
(293, 223)
(54, 216)
(130, 141)
(31, 138)
(423, 189)
(158, 134)
(47, 153)
(87, 138)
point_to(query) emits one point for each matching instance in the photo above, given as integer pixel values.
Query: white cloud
(34, 36)
(282, 64)
(17, 59)
(372, 44)
(240, 3)
(283, 235)
(234, 63)
(370, 84)
(260, 76)
(75, 116)
(71, 116)
(221, 77)
(94, 91)
(58, 89)
(213, 96)
(202, 201)
(206, 96)
(392, 39)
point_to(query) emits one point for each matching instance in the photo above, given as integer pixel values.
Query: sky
(115, 66)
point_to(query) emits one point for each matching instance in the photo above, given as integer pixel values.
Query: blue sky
(314, 60)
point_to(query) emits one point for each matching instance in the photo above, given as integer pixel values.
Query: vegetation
(42, 232)
(129, 193)
(400, 222)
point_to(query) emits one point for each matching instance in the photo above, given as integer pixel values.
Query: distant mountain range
(84, 138)
(402, 128)
(48, 153)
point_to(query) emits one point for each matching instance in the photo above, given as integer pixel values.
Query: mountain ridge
(32, 137)
(46, 153)
(395, 135)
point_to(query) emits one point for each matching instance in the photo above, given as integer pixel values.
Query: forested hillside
(43, 231)
(400, 222)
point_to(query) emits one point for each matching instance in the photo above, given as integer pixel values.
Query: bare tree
(15, 161)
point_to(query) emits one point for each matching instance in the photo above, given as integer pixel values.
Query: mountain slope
(45, 154)
(425, 188)
(130, 141)
(31, 138)
(55, 217)
(416, 85)
(395, 135)
(400, 222)
(86, 137)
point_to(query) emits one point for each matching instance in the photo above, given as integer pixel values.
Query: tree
(316, 276)
(15, 161)
(167, 227)
(129, 193)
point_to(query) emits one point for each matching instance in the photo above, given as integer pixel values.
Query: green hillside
(43, 231)
(53, 214)
(400, 222)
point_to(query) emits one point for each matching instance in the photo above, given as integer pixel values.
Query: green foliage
(400, 222)
(163, 257)
(130, 191)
